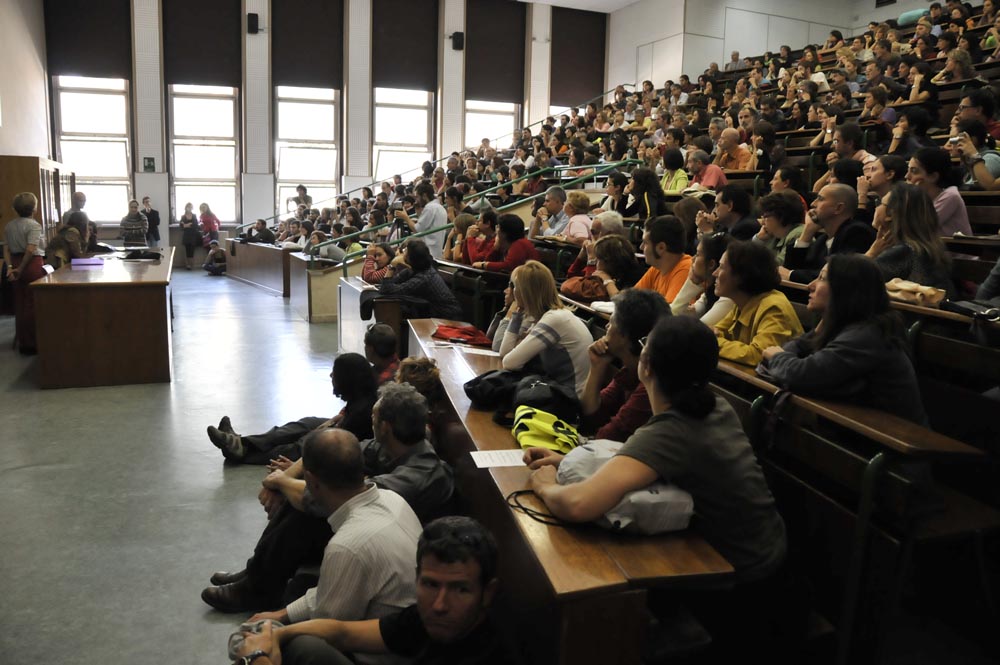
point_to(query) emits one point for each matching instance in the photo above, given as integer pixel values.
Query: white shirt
(367, 569)
(433, 216)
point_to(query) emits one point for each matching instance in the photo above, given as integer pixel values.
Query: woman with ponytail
(694, 441)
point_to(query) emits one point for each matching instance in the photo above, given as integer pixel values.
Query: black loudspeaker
(252, 25)
(458, 41)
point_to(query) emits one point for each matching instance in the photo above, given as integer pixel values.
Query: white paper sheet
(487, 459)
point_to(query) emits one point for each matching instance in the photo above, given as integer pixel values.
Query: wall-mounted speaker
(252, 24)
(458, 41)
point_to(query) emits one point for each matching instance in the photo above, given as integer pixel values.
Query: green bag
(534, 428)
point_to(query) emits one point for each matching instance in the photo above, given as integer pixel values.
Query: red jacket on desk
(520, 252)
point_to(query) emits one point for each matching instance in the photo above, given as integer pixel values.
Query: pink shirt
(712, 177)
(578, 227)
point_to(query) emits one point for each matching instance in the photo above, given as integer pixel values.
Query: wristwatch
(252, 656)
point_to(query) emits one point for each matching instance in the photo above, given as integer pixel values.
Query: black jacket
(853, 237)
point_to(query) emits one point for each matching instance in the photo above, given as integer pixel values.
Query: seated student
(990, 288)
(782, 219)
(215, 259)
(920, 88)
(377, 260)
(353, 381)
(695, 441)
(577, 230)
(616, 264)
(830, 229)
(501, 320)
(732, 213)
(980, 164)
(454, 243)
(511, 243)
(931, 170)
(481, 238)
(908, 245)
(604, 224)
(450, 623)
(647, 196)
(349, 241)
(260, 233)
(675, 178)
(910, 133)
(398, 458)
(875, 184)
(763, 317)
(616, 199)
(559, 338)
(70, 241)
(858, 352)
(420, 287)
(365, 568)
(614, 402)
(663, 244)
(846, 171)
(732, 156)
(705, 174)
(380, 351)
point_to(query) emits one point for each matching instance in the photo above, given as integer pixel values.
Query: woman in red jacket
(209, 222)
(517, 250)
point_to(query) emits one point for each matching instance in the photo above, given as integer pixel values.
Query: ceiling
(605, 6)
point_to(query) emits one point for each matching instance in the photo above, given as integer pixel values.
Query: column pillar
(358, 94)
(150, 175)
(451, 80)
(539, 61)
(257, 190)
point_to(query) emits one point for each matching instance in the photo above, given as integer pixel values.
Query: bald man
(830, 229)
(732, 156)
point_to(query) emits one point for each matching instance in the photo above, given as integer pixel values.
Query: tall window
(93, 140)
(305, 147)
(204, 148)
(495, 121)
(402, 132)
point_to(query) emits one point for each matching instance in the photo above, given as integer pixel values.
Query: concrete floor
(114, 506)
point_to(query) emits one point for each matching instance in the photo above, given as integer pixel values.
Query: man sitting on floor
(366, 566)
(456, 583)
(399, 458)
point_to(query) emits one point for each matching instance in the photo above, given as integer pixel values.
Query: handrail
(437, 161)
(397, 241)
(549, 169)
(349, 236)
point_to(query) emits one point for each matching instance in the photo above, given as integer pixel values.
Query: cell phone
(954, 139)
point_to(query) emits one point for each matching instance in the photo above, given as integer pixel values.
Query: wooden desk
(104, 325)
(314, 291)
(351, 328)
(561, 581)
(264, 266)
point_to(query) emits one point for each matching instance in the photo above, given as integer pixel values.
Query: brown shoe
(235, 597)
(223, 577)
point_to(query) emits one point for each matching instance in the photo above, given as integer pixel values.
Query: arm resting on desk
(354, 636)
(587, 500)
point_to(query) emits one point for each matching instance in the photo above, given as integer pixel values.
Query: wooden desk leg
(603, 630)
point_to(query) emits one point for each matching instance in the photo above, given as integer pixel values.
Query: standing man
(432, 216)
(153, 217)
(79, 201)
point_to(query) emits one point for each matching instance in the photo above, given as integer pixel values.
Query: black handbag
(541, 393)
(494, 390)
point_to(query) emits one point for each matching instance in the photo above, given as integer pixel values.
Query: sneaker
(231, 445)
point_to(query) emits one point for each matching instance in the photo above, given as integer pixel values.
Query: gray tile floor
(114, 506)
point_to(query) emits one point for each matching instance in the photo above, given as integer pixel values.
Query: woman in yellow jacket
(763, 317)
(675, 178)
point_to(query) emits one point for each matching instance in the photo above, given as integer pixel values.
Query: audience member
(215, 259)
(830, 229)
(908, 245)
(732, 213)
(481, 239)
(577, 229)
(647, 196)
(551, 219)
(697, 297)
(153, 218)
(980, 104)
(705, 174)
(380, 350)
(910, 133)
(398, 458)
(456, 582)
(616, 264)
(559, 338)
(432, 216)
(605, 224)
(858, 352)
(23, 255)
(378, 256)
(260, 233)
(454, 244)
(732, 156)
(353, 381)
(930, 169)
(420, 288)
(663, 245)
(675, 178)
(763, 317)
(980, 164)
(512, 245)
(616, 199)
(70, 241)
(614, 402)
(134, 226)
(875, 184)
(782, 220)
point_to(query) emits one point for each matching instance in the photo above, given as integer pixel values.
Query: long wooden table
(264, 266)
(104, 325)
(578, 593)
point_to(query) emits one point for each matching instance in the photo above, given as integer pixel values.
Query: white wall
(24, 116)
(645, 42)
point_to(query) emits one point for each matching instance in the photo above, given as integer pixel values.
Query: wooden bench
(842, 475)
(560, 583)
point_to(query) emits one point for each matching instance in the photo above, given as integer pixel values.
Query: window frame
(58, 87)
(279, 143)
(514, 114)
(418, 149)
(187, 91)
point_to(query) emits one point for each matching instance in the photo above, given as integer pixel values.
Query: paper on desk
(487, 459)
